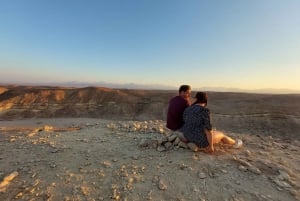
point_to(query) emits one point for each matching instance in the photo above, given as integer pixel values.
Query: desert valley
(93, 143)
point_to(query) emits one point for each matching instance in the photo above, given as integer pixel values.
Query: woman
(197, 129)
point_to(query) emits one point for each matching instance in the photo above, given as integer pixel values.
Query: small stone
(193, 147)
(182, 166)
(201, 175)
(182, 145)
(149, 197)
(52, 165)
(294, 192)
(162, 185)
(172, 138)
(155, 179)
(284, 176)
(149, 143)
(135, 157)
(162, 140)
(161, 148)
(161, 130)
(248, 153)
(195, 189)
(242, 168)
(84, 140)
(48, 128)
(282, 184)
(254, 169)
(213, 174)
(168, 145)
(176, 141)
(7, 179)
(106, 164)
(224, 171)
(195, 157)
(55, 151)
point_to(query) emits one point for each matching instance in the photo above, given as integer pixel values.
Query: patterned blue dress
(196, 118)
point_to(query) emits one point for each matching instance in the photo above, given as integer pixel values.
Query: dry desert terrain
(94, 143)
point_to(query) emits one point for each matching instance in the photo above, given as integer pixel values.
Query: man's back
(176, 108)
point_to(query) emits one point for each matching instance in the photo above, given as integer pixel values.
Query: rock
(182, 166)
(248, 153)
(254, 169)
(168, 145)
(52, 165)
(148, 143)
(149, 197)
(84, 140)
(161, 130)
(162, 185)
(182, 145)
(193, 147)
(33, 133)
(282, 184)
(242, 168)
(7, 179)
(55, 150)
(162, 140)
(172, 138)
(13, 139)
(202, 175)
(155, 179)
(135, 157)
(213, 174)
(224, 171)
(294, 192)
(161, 148)
(48, 128)
(176, 141)
(283, 176)
(106, 164)
(196, 157)
(248, 165)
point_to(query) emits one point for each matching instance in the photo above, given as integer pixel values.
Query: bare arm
(209, 135)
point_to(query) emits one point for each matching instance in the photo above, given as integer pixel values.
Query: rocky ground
(97, 159)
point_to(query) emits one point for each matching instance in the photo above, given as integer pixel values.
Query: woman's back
(196, 119)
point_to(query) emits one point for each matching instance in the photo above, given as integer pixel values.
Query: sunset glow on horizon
(231, 44)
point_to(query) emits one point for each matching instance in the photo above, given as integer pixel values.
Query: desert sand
(135, 157)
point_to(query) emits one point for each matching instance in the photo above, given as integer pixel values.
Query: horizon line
(77, 84)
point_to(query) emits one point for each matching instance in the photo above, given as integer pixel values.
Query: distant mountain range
(156, 87)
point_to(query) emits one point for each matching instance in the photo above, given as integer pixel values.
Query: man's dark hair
(184, 88)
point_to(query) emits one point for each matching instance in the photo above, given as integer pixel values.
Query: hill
(268, 114)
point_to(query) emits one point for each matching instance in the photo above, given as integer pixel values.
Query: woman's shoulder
(199, 108)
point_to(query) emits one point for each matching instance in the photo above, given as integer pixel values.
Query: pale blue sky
(223, 43)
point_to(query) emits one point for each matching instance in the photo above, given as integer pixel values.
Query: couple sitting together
(192, 122)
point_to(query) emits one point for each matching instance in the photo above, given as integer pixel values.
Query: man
(176, 107)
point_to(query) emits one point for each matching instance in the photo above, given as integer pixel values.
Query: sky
(249, 44)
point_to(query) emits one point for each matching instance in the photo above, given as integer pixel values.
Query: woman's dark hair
(184, 88)
(201, 97)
